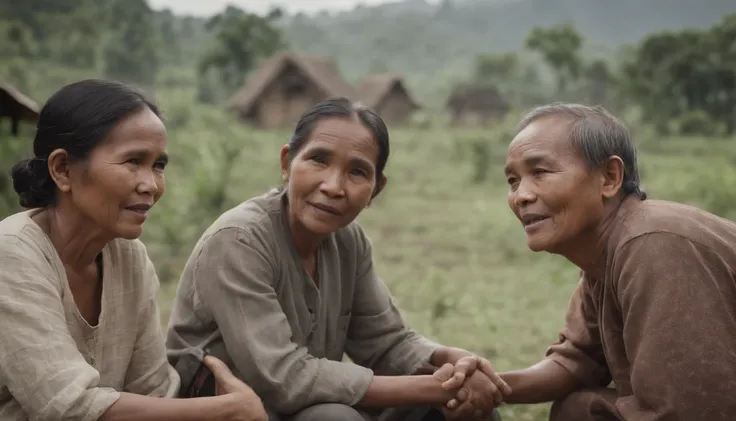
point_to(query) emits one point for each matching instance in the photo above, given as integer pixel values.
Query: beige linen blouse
(55, 366)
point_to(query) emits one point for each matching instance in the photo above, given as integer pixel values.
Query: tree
(240, 39)
(560, 46)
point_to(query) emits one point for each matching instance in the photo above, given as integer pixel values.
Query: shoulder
(253, 221)
(684, 221)
(23, 242)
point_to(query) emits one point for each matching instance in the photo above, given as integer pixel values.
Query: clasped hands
(478, 388)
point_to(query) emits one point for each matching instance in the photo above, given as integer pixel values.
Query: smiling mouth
(141, 209)
(528, 221)
(326, 209)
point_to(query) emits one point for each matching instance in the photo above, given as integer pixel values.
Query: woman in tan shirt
(284, 285)
(81, 338)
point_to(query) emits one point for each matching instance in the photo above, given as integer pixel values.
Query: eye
(160, 165)
(318, 159)
(539, 171)
(359, 173)
(133, 161)
(511, 180)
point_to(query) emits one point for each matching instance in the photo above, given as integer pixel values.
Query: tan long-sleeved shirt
(284, 334)
(53, 365)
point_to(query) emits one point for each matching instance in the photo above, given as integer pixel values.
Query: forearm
(132, 407)
(545, 381)
(392, 391)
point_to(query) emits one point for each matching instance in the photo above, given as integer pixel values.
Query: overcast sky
(210, 7)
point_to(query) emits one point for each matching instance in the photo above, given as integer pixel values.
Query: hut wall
(285, 99)
(395, 108)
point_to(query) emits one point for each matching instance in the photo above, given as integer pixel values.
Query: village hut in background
(388, 95)
(476, 105)
(16, 107)
(283, 87)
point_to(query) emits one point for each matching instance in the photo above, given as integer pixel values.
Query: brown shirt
(285, 334)
(661, 323)
(53, 364)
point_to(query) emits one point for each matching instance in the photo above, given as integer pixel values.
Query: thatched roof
(373, 88)
(321, 70)
(29, 108)
(477, 97)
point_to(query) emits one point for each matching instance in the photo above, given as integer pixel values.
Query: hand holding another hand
(479, 388)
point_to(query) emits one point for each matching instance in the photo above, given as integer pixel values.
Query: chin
(537, 245)
(130, 232)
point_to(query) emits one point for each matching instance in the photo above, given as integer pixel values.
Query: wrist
(447, 354)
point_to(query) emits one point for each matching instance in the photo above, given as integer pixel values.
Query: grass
(447, 246)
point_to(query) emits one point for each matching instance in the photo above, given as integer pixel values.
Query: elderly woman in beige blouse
(81, 339)
(283, 285)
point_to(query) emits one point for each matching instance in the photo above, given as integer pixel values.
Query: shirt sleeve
(149, 372)
(579, 348)
(235, 270)
(39, 361)
(677, 303)
(378, 336)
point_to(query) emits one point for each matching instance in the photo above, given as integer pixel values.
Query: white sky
(210, 7)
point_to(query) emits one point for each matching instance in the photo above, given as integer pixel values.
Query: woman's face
(551, 190)
(122, 178)
(333, 176)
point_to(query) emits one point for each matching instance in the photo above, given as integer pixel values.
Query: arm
(575, 360)
(234, 268)
(49, 378)
(677, 303)
(378, 337)
(149, 372)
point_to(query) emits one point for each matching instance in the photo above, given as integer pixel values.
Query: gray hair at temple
(597, 134)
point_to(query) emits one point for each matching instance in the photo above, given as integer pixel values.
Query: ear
(379, 188)
(612, 176)
(285, 163)
(58, 162)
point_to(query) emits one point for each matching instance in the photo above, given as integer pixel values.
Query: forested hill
(416, 37)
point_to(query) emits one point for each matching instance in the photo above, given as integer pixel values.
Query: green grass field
(444, 239)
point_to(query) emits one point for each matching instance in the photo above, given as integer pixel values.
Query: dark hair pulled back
(76, 118)
(342, 107)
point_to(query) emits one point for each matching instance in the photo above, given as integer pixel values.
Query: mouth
(140, 208)
(326, 208)
(532, 219)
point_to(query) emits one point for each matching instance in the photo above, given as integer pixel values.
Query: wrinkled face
(333, 176)
(551, 190)
(123, 176)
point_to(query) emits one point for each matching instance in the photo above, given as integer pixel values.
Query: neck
(78, 245)
(587, 250)
(306, 243)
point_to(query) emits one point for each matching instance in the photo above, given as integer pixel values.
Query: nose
(523, 195)
(148, 183)
(332, 184)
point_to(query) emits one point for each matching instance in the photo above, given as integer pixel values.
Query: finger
(487, 369)
(462, 370)
(444, 373)
(453, 403)
(219, 369)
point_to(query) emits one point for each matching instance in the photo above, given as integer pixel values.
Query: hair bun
(32, 182)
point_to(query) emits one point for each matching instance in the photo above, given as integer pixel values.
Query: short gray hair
(596, 134)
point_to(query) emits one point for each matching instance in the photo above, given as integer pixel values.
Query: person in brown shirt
(81, 336)
(284, 284)
(655, 308)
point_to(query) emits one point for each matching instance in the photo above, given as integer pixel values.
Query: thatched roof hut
(286, 84)
(388, 95)
(476, 105)
(17, 107)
